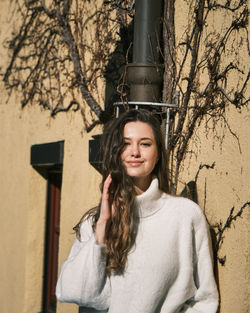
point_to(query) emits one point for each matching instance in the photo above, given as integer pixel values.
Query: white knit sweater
(169, 269)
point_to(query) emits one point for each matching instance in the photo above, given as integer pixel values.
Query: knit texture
(169, 268)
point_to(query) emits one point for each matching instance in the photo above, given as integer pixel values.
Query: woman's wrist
(100, 231)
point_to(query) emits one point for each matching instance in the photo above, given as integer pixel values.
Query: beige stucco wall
(23, 195)
(219, 189)
(23, 192)
(227, 185)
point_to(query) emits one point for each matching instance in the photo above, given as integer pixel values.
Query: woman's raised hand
(106, 211)
(107, 199)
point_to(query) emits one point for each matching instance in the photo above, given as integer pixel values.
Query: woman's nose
(135, 151)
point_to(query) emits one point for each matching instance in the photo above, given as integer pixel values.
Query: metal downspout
(145, 74)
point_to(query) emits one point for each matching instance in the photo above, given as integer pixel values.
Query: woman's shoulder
(183, 206)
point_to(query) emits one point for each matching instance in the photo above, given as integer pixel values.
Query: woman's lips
(134, 163)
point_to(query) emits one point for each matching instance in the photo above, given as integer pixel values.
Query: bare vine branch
(54, 60)
(199, 100)
(221, 229)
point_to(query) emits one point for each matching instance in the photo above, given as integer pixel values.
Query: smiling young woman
(140, 153)
(141, 250)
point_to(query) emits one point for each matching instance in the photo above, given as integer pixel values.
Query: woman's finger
(106, 210)
(106, 185)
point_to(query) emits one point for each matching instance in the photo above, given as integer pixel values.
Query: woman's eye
(146, 144)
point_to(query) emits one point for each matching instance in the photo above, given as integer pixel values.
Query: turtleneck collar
(146, 203)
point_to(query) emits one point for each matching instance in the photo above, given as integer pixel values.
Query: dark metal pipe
(147, 31)
(145, 74)
(145, 82)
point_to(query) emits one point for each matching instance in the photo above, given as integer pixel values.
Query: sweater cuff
(99, 249)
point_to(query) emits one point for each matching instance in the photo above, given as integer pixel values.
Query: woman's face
(140, 153)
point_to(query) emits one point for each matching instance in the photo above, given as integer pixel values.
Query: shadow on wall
(114, 71)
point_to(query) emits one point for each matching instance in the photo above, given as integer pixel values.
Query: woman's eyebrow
(143, 138)
(146, 138)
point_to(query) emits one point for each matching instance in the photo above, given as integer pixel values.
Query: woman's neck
(141, 184)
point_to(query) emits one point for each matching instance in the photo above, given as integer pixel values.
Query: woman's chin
(134, 173)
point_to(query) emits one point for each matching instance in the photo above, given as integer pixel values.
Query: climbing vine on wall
(59, 54)
(64, 50)
(200, 64)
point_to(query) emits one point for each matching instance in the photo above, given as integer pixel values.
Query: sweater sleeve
(205, 299)
(83, 277)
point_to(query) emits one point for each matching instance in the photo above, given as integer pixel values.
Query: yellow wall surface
(225, 144)
(23, 191)
(23, 194)
(219, 189)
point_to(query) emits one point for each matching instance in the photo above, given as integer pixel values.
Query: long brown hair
(120, 231)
